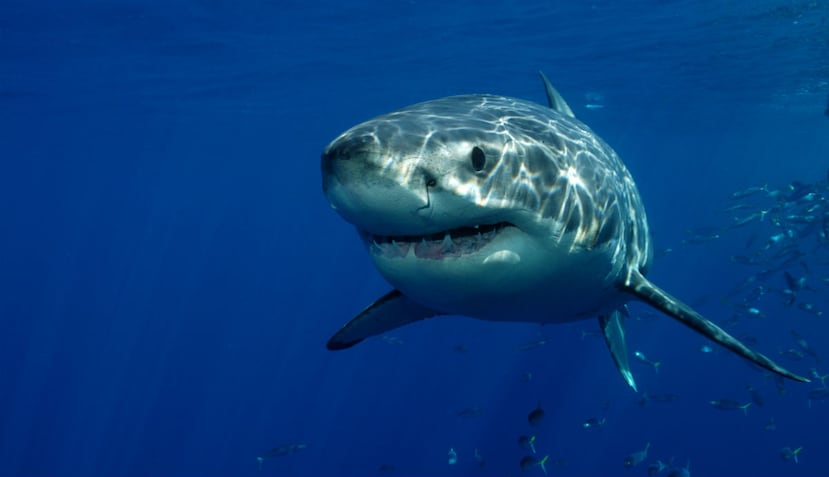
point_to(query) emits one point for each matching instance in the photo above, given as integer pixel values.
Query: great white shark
(499, 209)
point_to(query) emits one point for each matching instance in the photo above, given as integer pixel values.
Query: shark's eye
(478, 159)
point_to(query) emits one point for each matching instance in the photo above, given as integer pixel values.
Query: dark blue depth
(170, 271)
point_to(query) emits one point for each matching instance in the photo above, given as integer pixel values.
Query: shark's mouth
(450, 243)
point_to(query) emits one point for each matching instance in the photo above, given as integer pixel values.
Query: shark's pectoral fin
(614, 335)
(646, 291)
(390, 311)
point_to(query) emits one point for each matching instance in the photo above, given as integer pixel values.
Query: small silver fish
(644, 359)
(528, 462)
(593, 423)
(803, 344)
(740, 194)
(792, 353)
(527, 442)
(810, 308)
(392, 340)
(756, 397)
(536, 415)
(533, 344)
(280, 451)
(656, 468)
(636, 458)
(787, 454)
(729, 405)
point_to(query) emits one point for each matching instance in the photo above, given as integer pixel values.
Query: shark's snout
(346, 157)
(366, 186)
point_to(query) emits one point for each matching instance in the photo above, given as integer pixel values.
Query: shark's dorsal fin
(390, 311)
(646, 291)
(554, 100)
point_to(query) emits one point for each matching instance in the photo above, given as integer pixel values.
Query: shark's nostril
(353, 149)
(349, 147)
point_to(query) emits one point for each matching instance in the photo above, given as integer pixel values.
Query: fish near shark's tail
(646, 291)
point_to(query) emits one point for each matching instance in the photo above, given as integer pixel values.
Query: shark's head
(474, 196)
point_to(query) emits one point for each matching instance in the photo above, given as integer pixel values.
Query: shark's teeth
(447, 244)
(399, 249)
(450, 243)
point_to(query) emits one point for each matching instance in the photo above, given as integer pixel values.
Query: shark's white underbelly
(510, 282)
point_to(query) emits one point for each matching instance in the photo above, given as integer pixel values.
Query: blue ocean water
(171, 271)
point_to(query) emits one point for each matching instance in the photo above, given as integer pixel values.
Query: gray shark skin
(499, 209)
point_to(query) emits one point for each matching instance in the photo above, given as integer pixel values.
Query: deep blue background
(170, 270)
